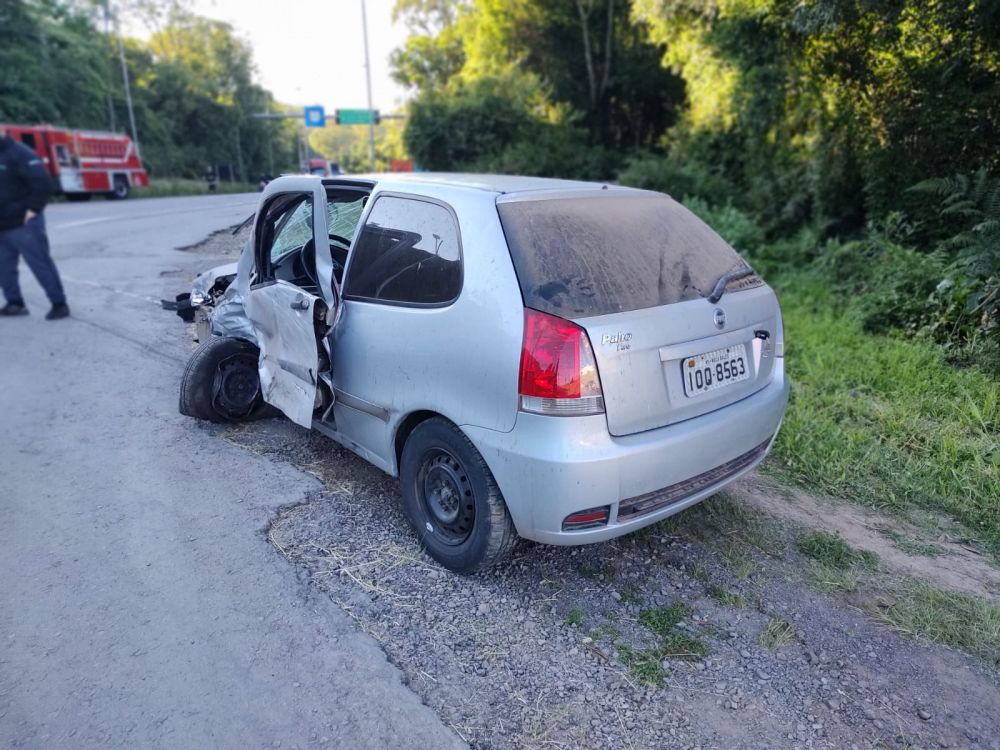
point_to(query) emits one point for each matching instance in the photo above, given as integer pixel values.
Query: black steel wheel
(236, 386)
(221, 384)
(446, 492)
(452, 500)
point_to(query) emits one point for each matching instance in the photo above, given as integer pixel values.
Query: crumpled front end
(227, 315)
(215, 302)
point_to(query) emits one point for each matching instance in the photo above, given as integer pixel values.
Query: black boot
(58, 311)
(13, 309)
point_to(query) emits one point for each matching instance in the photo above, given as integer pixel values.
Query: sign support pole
(368, 81)
(128, 91)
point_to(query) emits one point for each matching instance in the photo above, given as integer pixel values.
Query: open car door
(293, 299)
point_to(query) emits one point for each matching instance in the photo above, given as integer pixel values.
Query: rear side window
(594, 255)
(408, 253)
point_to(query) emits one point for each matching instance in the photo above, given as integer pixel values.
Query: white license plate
(716, 369)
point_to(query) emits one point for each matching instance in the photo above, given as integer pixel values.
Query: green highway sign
(357, 116)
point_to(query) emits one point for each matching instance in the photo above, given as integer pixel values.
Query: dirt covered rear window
(593, 255)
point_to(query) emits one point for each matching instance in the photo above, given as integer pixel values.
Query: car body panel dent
(229, 318)
(283, 317)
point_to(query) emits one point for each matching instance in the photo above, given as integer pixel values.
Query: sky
(311, 52)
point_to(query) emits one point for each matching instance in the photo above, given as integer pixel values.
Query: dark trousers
(31, 243)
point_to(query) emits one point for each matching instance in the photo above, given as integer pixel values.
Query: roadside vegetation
(176, 186)
(885, 419)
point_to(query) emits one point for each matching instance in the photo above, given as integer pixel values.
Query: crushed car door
(293, 299)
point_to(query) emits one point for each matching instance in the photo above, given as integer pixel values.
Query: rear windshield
(594, 255)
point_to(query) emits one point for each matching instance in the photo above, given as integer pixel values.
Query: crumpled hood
(205, 280)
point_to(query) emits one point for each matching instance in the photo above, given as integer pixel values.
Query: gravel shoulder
(558, 647)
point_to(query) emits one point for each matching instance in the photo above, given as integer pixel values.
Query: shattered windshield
(593, 255)
(342, 217)
(293, 230)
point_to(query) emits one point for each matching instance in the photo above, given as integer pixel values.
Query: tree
(587, 56)
(827, 110)
(54, 65)
(433, 53)
(193, 86)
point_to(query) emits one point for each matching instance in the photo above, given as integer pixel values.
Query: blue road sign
(315, 117)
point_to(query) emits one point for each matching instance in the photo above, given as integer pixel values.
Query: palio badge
(620, 340)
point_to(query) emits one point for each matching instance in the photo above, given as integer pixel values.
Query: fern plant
(973, 201)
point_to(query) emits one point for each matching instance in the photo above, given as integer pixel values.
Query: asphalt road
(141, 604)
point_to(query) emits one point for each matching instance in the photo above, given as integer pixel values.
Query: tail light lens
(558, 371)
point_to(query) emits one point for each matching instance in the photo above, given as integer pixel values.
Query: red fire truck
(84, 162)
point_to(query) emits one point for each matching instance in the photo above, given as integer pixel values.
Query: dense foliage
(532, 86)
(873, 127)
(192, 85)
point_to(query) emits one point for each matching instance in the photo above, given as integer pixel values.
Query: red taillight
(558, 370)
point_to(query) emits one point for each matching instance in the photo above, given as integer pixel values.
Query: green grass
(662, 620)
(832, 579)
(682, 646)
(574, 617)
(923, 611)
(172, 186)
(909, 605)
(777, 633)
(725, 596)
(830, 549)
(700, 572)
(644, 664)
(735, 529)
(911, 545)
(836, 565)
(886, 421)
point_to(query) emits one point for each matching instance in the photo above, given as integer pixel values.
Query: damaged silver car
(562, 361)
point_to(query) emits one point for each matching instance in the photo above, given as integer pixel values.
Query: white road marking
(81, 223)
(107, 288)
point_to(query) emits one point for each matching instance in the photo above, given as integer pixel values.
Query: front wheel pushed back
(221, 383)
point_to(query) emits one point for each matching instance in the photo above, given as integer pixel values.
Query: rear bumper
(551, 467)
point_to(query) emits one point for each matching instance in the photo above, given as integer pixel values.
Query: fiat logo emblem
(720, 318)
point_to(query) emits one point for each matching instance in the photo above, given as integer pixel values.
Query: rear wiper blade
(720, 285)
(242, 226)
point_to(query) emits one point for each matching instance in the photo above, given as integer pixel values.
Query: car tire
(452, 499)
(119, 188)
(221, 384)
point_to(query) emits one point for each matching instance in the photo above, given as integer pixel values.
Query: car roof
(492, 183)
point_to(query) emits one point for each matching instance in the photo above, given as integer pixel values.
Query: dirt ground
(950, 564)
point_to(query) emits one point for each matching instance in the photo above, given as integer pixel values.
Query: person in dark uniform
(25, 188)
